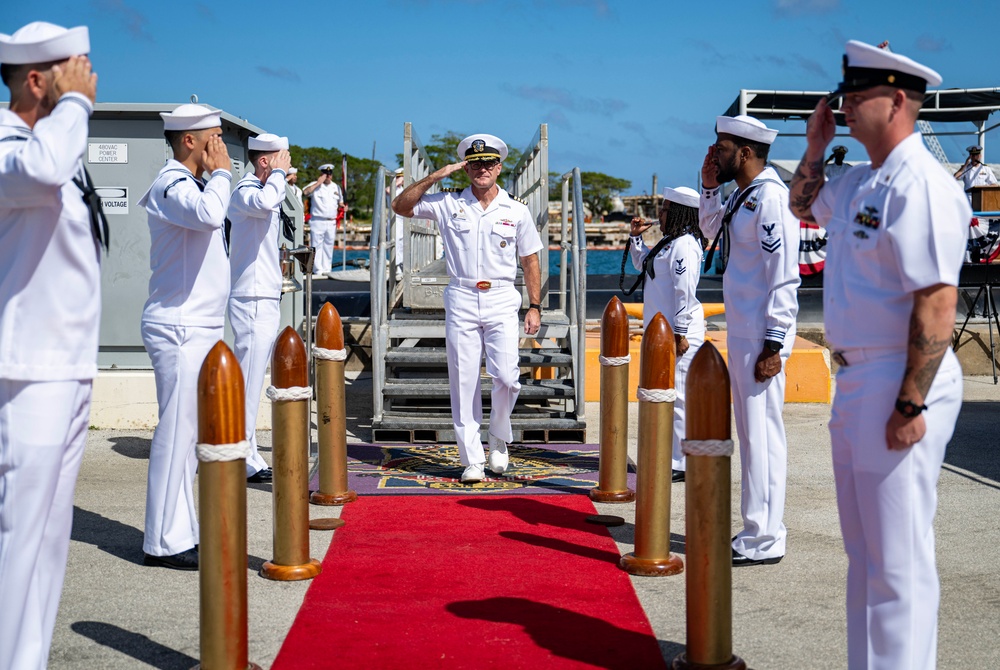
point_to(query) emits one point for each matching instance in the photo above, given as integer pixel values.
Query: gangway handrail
(377, 248)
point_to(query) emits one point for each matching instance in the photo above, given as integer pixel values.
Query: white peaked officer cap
(682, 195)
(746, 127)
(292, 170)
(482, 147)
(326, 166)
(42, 42)
(866, 66)
(267, 142)
(192, 117)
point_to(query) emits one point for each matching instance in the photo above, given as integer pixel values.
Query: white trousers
(323, 233)
(887, 500)
(43, 432)
(475, 320)
(178, 353)
(695, 339)
(255, 324)
(757, 408)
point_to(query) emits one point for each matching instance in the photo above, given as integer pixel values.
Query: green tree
(360, 192)
(598, 189)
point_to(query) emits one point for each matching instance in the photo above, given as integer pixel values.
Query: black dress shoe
(739, 560)
(677, 475)
(186, 560)
(261, 476)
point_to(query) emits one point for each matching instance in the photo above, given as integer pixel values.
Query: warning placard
(114, 199)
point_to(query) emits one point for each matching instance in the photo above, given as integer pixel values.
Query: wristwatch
(908, 408)
(773, 345)
(535, 305)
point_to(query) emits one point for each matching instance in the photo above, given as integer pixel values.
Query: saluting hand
(447, 170)
(215, 157)
(709, 170)
(75, 76)
(821, 127)
(639, 227)
(282, 161)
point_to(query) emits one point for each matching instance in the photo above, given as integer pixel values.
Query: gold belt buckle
(484, 285)
(838, 358)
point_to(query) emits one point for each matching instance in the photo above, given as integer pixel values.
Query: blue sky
(628, 88)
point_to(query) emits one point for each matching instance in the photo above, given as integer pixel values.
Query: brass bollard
(652, 557)
(709, 448)
(331, 413)
(290, 462)
(612, 482)
(222, 496)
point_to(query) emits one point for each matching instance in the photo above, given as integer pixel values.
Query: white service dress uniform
(894, 230)
(323, 223)
(832, 170)
(978, 175)
(759, 293)
(50, 312)
(254, 300)
(182, 320)
(672, 293)
(481, 246)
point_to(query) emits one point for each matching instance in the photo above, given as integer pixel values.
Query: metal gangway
(409, 362)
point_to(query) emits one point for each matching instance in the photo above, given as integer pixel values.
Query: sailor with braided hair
(671, 281)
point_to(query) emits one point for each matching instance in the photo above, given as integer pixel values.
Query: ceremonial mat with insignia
(435, 468)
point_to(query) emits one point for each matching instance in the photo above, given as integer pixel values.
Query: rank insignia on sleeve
(869, 218)
(680, 269)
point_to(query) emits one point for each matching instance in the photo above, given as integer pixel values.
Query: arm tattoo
(929, 347)
(806, 185)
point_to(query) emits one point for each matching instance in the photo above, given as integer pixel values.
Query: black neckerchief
(227, 227)
(647, 264)
(98, 221)
(732, 206)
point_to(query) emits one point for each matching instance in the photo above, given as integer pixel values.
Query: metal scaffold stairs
(410, 369)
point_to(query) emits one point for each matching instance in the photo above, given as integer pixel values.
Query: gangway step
(530, 388)
(401, 356)
(435, 329)
(424, 430)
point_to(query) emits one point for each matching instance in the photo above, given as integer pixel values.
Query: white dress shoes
(473, 473)
(499, 458)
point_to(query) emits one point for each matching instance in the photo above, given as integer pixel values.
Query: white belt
(848, 357)
(481, 284)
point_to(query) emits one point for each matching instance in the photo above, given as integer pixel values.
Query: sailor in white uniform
(897, 239)
(670, 289)
(183, 318)
(759, 293)
(256, 275)
(291, 179)
(837, 167)
(974, 172)
(485, 231)
(325, 198)
(50, 310)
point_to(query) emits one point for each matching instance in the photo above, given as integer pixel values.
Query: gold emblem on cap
(892, 78)
(478, 146)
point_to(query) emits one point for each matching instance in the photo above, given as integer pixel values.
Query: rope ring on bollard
(330, 354)
(615, 361)
(656, 395)
(275, 394)
(707, 447)
(216, 453)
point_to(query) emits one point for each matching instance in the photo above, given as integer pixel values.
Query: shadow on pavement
(131, 446)
(114, 537)
(134, 645)
(974, 445)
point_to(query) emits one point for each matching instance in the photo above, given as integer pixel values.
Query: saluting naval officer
(50, 310)
(759, 292)
(325, 197)
(183, 318)
(256, 275)
(484, 230)
(974, 172)
(897, 239)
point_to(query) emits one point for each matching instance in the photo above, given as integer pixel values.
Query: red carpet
(471, 582)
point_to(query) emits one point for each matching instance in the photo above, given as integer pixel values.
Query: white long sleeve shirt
(761, 280)
(892, 230)
(677, 268)
(50, 274)
(253, 239)
(190, 281)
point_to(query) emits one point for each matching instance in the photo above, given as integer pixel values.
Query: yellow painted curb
(807, 374)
